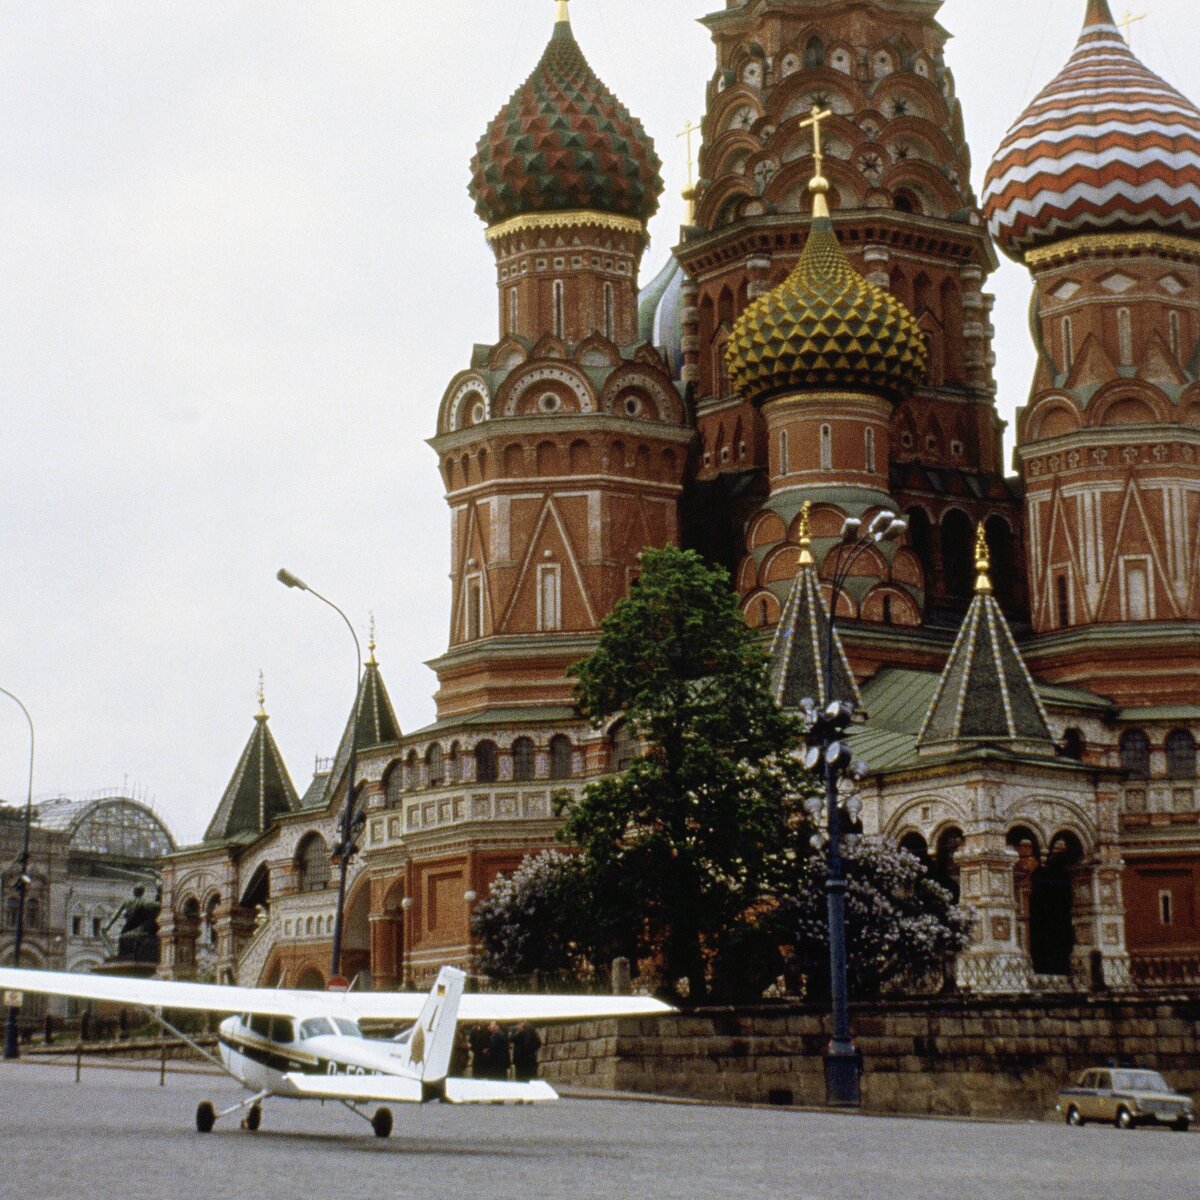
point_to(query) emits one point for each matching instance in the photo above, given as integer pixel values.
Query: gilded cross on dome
(805, 535)
(818, 185)
(262, 697)
(1127, 22)
(983, 562)
(689, 193)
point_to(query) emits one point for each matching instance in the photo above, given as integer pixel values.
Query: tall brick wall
(997, 1057)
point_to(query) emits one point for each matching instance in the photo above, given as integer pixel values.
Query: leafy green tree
(688, 838)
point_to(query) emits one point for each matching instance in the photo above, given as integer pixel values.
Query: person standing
(478, 1042)
(525, 1046)
(497, 1052)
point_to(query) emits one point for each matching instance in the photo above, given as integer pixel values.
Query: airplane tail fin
(425, 1050)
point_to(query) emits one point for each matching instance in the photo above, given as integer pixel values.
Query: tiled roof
(1108, 145)
(565, 143)
(825, 326)
(259, 791)
(800, 649)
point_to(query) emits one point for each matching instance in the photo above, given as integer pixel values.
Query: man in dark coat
(497, 1052)
(478, 1041)
(525, 1046)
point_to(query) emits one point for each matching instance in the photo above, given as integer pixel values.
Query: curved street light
(345, 848)
(10, 1028)
(842, 1060)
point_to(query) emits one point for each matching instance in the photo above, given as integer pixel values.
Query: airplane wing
(487, 1091)
(285, 1002)
(358, 1088)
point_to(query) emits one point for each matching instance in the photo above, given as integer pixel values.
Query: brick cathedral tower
(1096, 189)
(563, 446)
(898, 169)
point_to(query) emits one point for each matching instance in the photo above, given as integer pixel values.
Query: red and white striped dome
(1106, 146)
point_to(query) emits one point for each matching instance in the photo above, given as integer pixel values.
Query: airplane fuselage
(262, 1051)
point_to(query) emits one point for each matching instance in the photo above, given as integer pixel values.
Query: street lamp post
(345, 848)
(10, 1028)
(831, 755)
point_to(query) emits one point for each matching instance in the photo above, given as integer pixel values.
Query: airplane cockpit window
(282, 1029)
(315, 1027)
(347, 1028)
(259, 1024)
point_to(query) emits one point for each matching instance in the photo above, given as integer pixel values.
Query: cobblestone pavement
(119, 1136)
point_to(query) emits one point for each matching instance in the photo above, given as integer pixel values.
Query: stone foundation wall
(995, 1057)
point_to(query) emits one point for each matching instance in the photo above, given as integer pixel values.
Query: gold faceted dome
(825, 327)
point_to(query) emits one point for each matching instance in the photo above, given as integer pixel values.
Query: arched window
(1135, 754)
(958, 553)
(210, 919)
(610, 323)
(454, 764)
(412, 770)
(560, 757)
(1073, 744)
(433, 761)
(946, 866)
(785, 465)
(1068, 340)
(871, 451)
(523, 760)
(1125, 336)
(312, 856)
(560, 320)
(394, 788)
(1181, 755)
(625, 747)
(826, 448)
(10, 912)
(487, 762)
(33, 913)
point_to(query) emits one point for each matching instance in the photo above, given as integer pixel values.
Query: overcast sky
(239, 268)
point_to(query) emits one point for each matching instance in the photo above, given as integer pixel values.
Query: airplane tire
(206, 1117)
(253, 1118)
(381, 1122)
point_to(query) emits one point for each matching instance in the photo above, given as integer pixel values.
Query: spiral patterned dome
(1107, 146)
(825, 327)
(563, 143)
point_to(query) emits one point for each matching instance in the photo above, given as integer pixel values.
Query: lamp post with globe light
(830, 755)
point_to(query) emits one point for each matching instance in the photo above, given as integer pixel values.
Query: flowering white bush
(902, 927)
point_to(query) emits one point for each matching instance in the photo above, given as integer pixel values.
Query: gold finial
(689, 192)
(806, 558)
(371, 645)
(262, 699)
(818, 185)
(1127, 23)
(564, 12)
(983, 562)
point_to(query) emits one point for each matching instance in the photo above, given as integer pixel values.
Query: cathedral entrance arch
(1051, 906)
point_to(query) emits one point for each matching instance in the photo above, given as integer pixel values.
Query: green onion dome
(825, 328)
(565, 143)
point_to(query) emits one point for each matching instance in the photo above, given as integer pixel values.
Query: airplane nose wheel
(206, 1117)
(253, 1118)
(381, 1122)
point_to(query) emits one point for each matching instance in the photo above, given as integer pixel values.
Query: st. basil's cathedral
(1025, 658)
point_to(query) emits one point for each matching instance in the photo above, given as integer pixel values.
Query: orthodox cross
(689, 193)
(814, 119)
(983, 561)
(262, 697)
(1127, 22)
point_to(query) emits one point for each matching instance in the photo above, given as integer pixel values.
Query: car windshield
(1139, 1081)
(347, 1028)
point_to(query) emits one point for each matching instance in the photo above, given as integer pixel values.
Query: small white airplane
(310, 1046)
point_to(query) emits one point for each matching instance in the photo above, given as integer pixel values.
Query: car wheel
(1124, 1119)
(1182, 1125)
(1074, 1117)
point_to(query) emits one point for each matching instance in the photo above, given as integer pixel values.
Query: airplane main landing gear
(253, 1118)
(381, 1122)
(206, 1117)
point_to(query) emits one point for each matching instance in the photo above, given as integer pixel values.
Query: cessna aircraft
(309, 1045)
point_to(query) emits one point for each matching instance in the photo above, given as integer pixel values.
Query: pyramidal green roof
(986, 693)
(376, 724)
(260, 791)
(800, 648)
